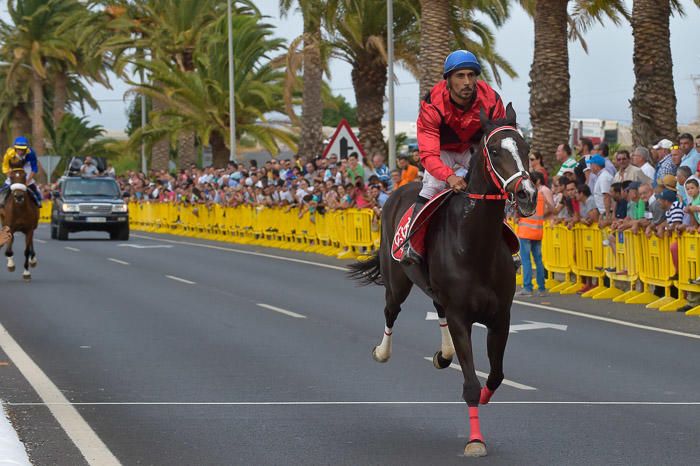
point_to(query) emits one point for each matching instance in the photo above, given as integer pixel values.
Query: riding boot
(4, 191)
(35, 193)
(517, 262)
(410, 256)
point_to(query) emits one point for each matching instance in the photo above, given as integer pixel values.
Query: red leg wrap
(474, 429)
(486, 395)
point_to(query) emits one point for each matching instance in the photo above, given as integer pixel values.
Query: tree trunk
(37, 115)
(369, 76)
(186, 151)
(21, 122)
(434, 42)
(654, 101)
(549, 79)
(60, 97)
(160, 154)
(220, 152)
(311, 140)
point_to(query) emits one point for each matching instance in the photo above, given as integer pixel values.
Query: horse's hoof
(27, 278)
(376, 357)
(11, 269)
(475, 449)
(33, 264)
(439, 362)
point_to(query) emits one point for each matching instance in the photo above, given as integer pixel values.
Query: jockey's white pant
(459, 162)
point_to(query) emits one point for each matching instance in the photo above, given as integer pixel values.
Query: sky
(602, 81)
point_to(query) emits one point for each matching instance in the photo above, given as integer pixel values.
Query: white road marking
(484, 375)
(111, 259)
(607, 319)
(345, 269)
(178, 279)
(142, 246)
(353, 403)
(282, 311)
(531, 325)
(41, 241)
(249, 253)
(79, 431)
(72, 249)
(536, 326)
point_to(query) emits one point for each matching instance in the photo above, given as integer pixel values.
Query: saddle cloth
(418, 239)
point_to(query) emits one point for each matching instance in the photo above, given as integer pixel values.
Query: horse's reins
(500, 182)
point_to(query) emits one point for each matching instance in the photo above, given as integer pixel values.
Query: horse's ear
(510, 114)
(483, 118)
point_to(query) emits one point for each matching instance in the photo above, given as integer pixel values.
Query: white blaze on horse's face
(511, 146)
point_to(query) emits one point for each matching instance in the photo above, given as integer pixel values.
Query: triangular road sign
(344, 142)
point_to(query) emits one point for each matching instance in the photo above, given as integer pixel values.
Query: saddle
(422, 223)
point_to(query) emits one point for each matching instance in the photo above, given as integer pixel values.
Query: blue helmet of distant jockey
(20, 155)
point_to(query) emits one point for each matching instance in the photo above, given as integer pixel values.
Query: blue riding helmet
(460, 60)
(21, 143)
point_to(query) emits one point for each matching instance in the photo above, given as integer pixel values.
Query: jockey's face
(20, 152)
(461, 84)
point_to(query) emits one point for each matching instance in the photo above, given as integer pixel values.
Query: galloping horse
(468, 269)
(21, 213)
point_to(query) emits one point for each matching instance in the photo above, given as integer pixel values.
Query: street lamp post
(390, 53)
(232, 109)
(144, 168)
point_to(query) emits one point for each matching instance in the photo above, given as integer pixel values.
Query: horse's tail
(366, 271)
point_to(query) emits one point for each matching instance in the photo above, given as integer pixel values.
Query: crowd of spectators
(651, 190)
(310, 185)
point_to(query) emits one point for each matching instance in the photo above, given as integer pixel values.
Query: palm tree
(550, 93)
(465, 31)
(199, 101)
(654, 101)
(35, 38)
(315, 61)
(74, 136)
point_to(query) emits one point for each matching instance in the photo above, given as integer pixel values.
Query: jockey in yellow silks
(20, 155)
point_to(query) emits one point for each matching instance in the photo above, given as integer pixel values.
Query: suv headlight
(70, 208)
(120, 208)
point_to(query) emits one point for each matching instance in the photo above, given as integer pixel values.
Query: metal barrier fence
(628, 267)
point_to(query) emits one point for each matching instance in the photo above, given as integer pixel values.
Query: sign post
(49, 163)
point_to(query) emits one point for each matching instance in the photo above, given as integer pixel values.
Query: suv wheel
(120, 234)
(61, 232)
(54, 234)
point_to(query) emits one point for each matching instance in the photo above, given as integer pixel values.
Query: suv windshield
(90, 187)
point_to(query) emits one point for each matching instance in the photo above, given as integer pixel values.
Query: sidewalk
(12, 451)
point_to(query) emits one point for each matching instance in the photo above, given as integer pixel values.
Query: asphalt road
(163, 347)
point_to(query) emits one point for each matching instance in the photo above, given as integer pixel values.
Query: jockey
(20, 155)
(449, 128)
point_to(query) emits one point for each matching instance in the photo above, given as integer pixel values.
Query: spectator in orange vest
(530, 231)
(408, 172)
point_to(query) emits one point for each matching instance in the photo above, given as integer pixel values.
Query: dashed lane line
(282, 311)
(484, 375)
(181, 280)
(117, 261)
(79, 431)
(40, 241)
(68, 248)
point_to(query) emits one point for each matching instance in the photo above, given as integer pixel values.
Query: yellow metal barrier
(688, 269)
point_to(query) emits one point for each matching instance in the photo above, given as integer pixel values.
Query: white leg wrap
(383, 351)
(447, 348)
(10, 262)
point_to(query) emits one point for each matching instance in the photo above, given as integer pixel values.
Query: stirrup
(517, 262)
(410, 256)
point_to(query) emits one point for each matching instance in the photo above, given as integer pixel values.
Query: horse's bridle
(500, 182)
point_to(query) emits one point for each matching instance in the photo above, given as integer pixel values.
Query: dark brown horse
(21, 213)
(468, 269)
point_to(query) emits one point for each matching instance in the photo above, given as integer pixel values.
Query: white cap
(663, 144)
